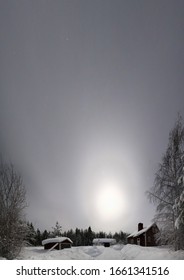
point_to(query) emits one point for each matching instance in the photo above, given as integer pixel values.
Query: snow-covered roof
(139, 232)
(104, 240)
(55, 240)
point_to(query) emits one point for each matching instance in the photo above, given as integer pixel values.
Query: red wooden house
(144, 236)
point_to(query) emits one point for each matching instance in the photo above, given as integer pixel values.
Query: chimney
(140, 226)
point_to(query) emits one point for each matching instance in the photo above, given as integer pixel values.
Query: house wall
(139, 240)
(150, 236)
(130, 240)
(145, 239)
(142, 240)
(61, 245)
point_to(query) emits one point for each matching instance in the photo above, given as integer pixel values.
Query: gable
(147, 229)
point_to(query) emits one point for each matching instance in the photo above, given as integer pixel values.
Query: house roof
(55, 240)
(104, 240)
(137, 233)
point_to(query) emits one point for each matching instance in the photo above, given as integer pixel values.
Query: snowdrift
(116, 252)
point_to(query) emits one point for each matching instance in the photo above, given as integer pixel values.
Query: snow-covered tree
(179, 210)
(167, 188)
(12, 204)
(179, 207)
(31, 234)
(57, 230)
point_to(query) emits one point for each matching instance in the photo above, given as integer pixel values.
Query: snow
(177, 222)
(178, 208)
(116, 252)
(55, 240)
(135, 252)
(182, 197)
(104, 240)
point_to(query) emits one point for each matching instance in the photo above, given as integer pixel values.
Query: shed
(106, 242)
(57, 243)
(144, 236)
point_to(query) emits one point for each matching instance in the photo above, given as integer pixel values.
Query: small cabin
(144, 236)
(106, 242)
(57, 243)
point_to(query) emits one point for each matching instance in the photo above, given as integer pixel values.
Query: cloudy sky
(89, 90)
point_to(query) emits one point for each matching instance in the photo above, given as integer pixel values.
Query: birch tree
(167, 189)
(12, 204)
(179, 210)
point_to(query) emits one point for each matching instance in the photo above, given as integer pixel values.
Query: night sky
(89, 90)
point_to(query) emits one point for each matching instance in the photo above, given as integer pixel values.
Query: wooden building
(106, 242)
(57, 243)
(144, 236)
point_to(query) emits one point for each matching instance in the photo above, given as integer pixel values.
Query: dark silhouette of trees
(79, 237)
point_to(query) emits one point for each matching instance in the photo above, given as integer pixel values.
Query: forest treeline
(79, 237)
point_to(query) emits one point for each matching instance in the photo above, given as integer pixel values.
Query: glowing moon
(109, 200)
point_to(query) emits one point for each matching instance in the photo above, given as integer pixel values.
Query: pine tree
(90, 236)
(71, 234)
(45, 234)
(78, 237)
(31, 234)
(166, 188)
(38, 238)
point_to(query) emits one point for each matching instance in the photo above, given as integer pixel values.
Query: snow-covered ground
(116, 252)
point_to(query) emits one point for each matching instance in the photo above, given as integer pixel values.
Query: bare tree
(12, 205)
(166, 188)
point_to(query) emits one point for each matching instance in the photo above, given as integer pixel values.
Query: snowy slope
(134, 252)
(117, 252)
